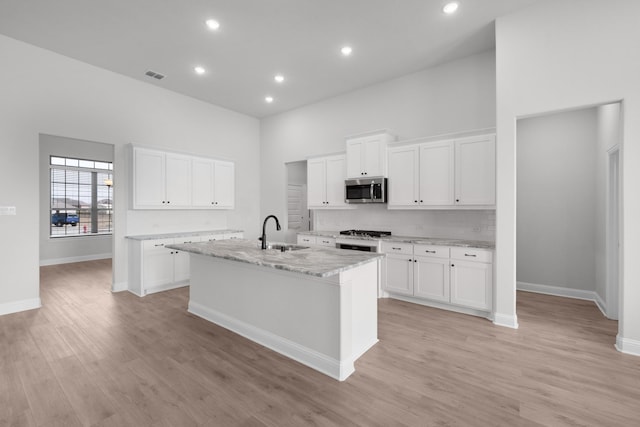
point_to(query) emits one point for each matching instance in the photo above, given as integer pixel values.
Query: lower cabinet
(450, 275)
(155, 268)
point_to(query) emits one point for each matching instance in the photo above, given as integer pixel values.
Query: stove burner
(365, 233)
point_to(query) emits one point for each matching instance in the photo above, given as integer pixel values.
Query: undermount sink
(284, 247)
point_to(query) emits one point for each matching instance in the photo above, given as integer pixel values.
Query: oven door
(358, 245)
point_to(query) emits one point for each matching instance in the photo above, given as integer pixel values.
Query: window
(81, 197)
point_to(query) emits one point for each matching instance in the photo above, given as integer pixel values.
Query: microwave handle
(371, 192)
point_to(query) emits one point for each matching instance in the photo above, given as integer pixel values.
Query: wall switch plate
(7, 210)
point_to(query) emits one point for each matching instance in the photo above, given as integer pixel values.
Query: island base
(324, 323)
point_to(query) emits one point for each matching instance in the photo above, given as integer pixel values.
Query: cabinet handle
(430, 252)
(415, 201)
(168, 201)
(471, 255)
(420, 201)
(415, 260)
(159, 244)
(452, 265)
(188, 241)
(396, 249)
(410, 260)
(164, 201)
(457, 200)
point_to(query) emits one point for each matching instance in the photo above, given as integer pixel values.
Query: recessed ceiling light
(212, 24)
(199, 70)
(346, 50)
(451, 7)
(279, 78)
(268, 99)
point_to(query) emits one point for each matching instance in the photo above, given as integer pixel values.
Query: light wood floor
(90, 357)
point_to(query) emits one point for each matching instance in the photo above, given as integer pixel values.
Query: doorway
(298, 215)
(568, 204)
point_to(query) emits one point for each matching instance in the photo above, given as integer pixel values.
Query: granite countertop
(180, 234)
(317, 261)
(438, 241)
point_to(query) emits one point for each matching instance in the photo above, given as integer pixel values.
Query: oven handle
(371, 192)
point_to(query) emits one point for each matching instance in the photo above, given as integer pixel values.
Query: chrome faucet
(264, 233)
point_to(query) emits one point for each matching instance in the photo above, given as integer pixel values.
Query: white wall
(453, 97)
(555, 56)
(43, 92)
(556, 205)
(78, 248)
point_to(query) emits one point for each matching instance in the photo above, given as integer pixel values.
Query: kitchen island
(315, 305)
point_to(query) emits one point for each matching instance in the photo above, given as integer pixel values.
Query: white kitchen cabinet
(325, 182)
(436, 174)
(212, 183)
(471, 278)
(154, 267)
(475, 170)
(443, 174)
(404, 175)
(454, 276)
(161, 180)
(366, 155)
(329, 242)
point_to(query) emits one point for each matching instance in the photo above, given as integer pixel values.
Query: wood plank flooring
(89, 357)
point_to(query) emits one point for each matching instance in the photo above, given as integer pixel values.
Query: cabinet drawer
(156, 245)
(471, 254)
(397, 248)
(212, 237)
(326, 241)
(431, 251)
(305, 239)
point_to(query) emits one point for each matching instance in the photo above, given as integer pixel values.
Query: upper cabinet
(457, 172)
(366, 154)
(325, 182)
(476, 170)
(165, 180)
(212, 183)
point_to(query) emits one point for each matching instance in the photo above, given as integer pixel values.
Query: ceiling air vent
(154, 75)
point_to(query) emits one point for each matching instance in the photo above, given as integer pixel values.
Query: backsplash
(454, 224)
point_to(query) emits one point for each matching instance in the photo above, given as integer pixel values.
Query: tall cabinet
(325, 182)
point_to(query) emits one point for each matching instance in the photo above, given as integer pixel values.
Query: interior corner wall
(557, 200)
(81, 101)
(76, 248)
(561, 55)
(453, 97)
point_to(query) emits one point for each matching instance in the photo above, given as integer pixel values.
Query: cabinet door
(224, 188)
(149, 178)
(431, 278)
(471, 284)
(178, 180)
(335, 176)
(157, 264)
(316, 183)
(476, 171)
(399, 278)
(181, 264)
(354, 159)
(403, 176)
(373, 158)
(436, 174)
(202, 171)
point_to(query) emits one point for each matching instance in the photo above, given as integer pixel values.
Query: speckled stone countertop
(182, 234)
(480, 244)
(317, 261)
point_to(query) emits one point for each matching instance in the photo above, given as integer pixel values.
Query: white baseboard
(119, 287)
(309, 357)
(56, 261)
(18, 306)
(564, 292)
(505, 320)
(440, 305)
(627, 346)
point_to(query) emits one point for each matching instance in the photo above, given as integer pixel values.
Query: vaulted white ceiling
(301, 39)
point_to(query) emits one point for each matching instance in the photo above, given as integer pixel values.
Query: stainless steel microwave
(365, 190)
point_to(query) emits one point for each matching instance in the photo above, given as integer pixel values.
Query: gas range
(365, 233)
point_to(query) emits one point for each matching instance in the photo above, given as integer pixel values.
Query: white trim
(441, 305)
(505, 320)
(318, 361)
(135, 293)
(18, 306)
(600, 303)
(119, 287)
(558, 291)
(627, 346)
(56, 261)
